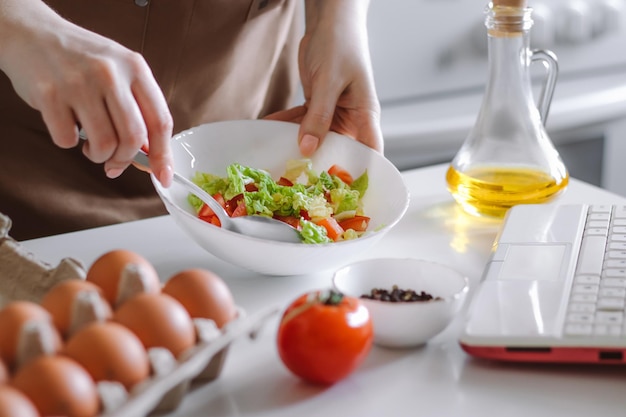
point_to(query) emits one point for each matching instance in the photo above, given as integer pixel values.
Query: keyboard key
(617, 245)
(578, 329)
(616, 254)
(580, 318)
(619, 211)
(582, 308)
(614, 282)
(601, 208)
(601, 329)
(585, 289)
(601, 224)
(584, 298)
(596, 232)
(619, 229)
(606, 330)
(610, 304)
(619, 222)
(615, 330)
(612, 292)
(609, 317)
(598, 216)
(591, 255)
(587, 279)
(613, 273)
(615, 263)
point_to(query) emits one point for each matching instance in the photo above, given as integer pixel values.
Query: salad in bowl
(324, 206)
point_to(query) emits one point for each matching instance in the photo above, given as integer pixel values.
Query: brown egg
(14, 403)
(60, 299)
(203, 294)
(58, 386)
(159, 321)
(109, 352)
(106, 272)
(12, 318)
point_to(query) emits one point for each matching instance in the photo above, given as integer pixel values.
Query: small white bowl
(405, 324)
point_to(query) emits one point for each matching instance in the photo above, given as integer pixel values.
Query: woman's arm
(75, 77)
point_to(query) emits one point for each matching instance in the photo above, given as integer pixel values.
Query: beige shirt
(214, 60)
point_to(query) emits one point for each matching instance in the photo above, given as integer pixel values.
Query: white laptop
(554, 289)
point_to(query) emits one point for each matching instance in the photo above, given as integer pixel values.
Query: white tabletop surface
(438, 379)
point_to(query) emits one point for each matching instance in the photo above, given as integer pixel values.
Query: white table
(438, 379)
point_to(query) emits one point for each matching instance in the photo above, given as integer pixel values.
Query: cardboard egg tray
(24, 277)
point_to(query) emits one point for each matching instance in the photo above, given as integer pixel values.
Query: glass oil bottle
(508, 157)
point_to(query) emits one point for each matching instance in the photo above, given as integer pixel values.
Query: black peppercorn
(398, 295)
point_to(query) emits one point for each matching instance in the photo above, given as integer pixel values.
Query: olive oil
(508, 157)
(492, 190)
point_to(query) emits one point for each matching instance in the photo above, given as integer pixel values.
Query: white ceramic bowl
(269, 145)
(405, 324)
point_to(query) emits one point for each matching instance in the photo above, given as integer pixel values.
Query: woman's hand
(79, 79)
(336, 75)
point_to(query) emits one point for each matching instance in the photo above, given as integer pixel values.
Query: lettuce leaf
(312, 233)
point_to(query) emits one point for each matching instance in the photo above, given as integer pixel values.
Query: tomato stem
(326, 297)
(330, 297)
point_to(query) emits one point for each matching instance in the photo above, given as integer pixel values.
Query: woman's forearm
(329, 12)
(20, 20)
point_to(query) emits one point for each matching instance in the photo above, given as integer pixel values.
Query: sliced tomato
(240, 210)
(333, 230)
(233, 203)
(284, 181)
(205, 211)
(214, 220)
(342, 173)
(251, 187)
(220, 199)
(305, 215)
(356, 223)
(207, 214)
(293, 221)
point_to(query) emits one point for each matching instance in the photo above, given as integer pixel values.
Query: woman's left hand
(337, 77)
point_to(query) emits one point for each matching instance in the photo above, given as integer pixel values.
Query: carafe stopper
(509, 3)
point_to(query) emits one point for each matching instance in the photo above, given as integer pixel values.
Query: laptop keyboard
(597, 303)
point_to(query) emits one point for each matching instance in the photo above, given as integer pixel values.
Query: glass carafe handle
(549, 60)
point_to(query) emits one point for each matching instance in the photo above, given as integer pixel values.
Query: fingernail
(308, 144)
(114, 172)
(165, 176)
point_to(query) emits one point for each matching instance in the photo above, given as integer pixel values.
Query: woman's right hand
(79, 79)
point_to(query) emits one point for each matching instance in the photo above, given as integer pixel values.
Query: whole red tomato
(324, 335)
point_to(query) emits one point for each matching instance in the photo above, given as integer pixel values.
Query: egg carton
(170, 378)
(24, 277)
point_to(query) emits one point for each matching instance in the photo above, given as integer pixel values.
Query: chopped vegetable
(324, 207)
(333, 230)
(324, 336)
(356, 223)
(338, 171)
